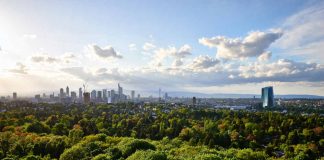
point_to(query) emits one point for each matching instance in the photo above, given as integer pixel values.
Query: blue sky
(45, 40)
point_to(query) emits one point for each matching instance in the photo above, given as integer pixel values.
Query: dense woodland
(157, 132)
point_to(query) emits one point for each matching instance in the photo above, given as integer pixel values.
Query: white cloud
(177, 54)
(265, 56)
(106, 52)
(253, 45)
(206, 71)
(203, 62)
(148, 46)
(283, 70)
(20, 69)
(304, 34)
(44, 59)
(132, 47)
(30, 36)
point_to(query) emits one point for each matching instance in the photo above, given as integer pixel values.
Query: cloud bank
(253, 45)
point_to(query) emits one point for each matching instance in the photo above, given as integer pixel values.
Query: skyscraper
(120, 92)
(112, 96)
(73, 95)
(194, 101)
(93, 94)
(267, 97)
(61, 93)
(80, 93)
(14, 95)
(86, 97)
(99, 96)
(159, 94)
(104, 95)
(132, 94)
(166, 96)
(67, 91)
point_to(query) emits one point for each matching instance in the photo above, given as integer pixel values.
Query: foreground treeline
(128, 131)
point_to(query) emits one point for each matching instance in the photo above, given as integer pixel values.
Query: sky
(208, 46)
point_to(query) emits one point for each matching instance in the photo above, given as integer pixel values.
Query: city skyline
(188, 46)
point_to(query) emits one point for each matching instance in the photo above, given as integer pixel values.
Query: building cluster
(82, 96)
(68, 96)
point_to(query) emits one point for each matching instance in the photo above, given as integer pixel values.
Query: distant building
(194, 101)
(109, 94)
(99, 96)
(267, 97)
(120, 92)
(37, 97)
(80, 93)
(104, 95)
(132, 94)
(113, 96)
(166, 96)
(93, 95)
(67, 91)
(73, 96)
(61, 93)
(14, 95)
(86, 97)
(52, 96)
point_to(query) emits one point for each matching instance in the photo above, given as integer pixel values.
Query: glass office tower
(267, 97)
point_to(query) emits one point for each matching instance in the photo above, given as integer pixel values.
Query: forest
(128, 131)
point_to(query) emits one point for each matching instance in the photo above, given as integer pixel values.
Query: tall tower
(80, 93)
(93, 94)
(14, 95)
(133, 95)
(99, 96)
(112, 96)
(120, 92)
(104, 95)
(86, 97)
(267, 96)
(67, 91)
(61, 93)
(159, 94)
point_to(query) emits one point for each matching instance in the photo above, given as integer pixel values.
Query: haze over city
(185, 46)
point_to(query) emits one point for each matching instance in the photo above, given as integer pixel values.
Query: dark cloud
(107, 52)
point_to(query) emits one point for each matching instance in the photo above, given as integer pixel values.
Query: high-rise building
(86, 97)
(109, 94)
(267, 97)
(93, 94)
(73, 95)
(120, 92)
(166, 96)
(99, 96)
(104, 95)
(112, 96)
(37, 98)
(132, 94)
(194, 101)
(14, 95)
(80, 93)
(67, 91)
(61, 93)
(159, 94)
